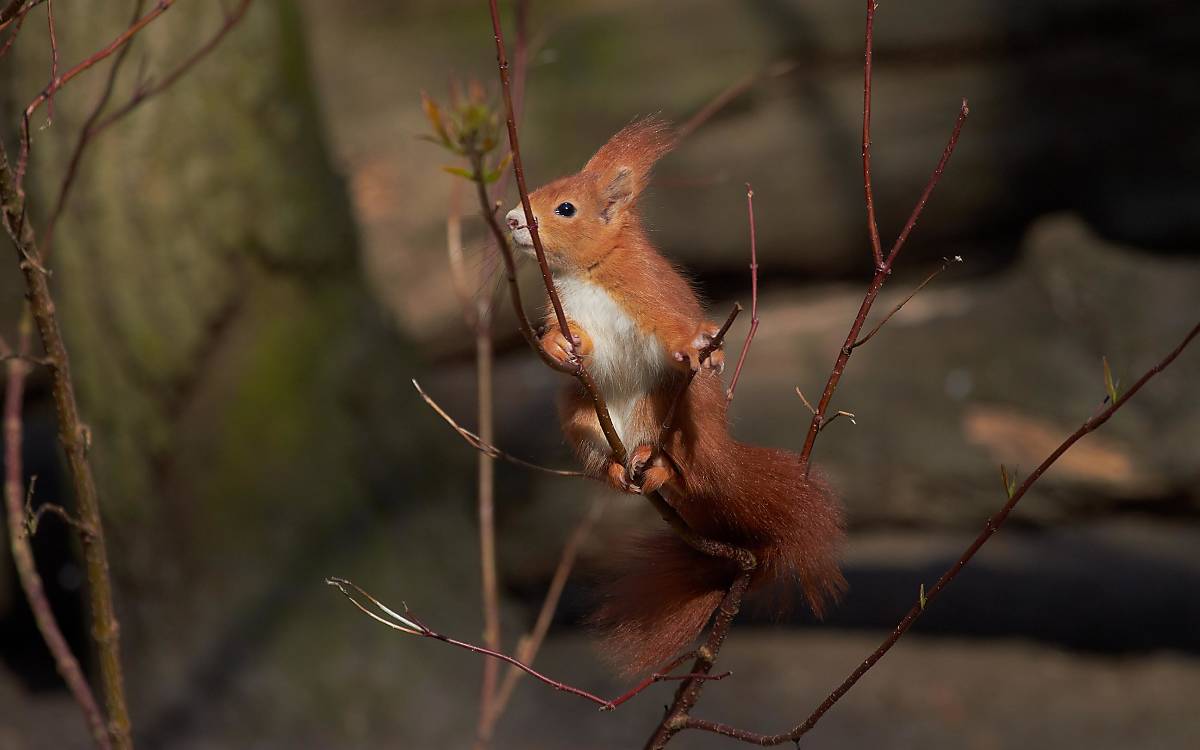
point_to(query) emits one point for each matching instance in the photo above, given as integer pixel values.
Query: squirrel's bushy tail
(664, 593)
(657, 602)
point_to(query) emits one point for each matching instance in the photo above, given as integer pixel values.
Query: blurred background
(254, 266)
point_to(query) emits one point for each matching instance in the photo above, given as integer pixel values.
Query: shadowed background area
(254, 266)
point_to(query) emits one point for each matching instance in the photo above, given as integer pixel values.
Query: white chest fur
(626, 362)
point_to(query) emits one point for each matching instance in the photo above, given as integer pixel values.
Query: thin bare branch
(58, 82)
(53, 57)
(737, 372)
(22, 551)
(478, 443)
(868, 190)
(143, 93)
(74, 436)
(33, 518)
(486, 501)
(16, 9)
(82, 141)
(937, 272)
(483, 356)
(519, 171)
(409, 624)
(488, 211)
(993, 524)
(947, 152)
(17, 21)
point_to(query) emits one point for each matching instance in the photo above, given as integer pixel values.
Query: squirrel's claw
(562, 349)
(649, 471)
(715, 360)
(639, 458)
(655, 477)
(619, 479)
(558, 347)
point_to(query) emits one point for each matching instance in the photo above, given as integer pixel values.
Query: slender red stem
(963, 111)
(519, 171)
(410, 624)
(58, 82)
(737, 372)
(53, 55)
(82, 141)
(868, 190)
(900, 305)
(22, 551)
(139, 97)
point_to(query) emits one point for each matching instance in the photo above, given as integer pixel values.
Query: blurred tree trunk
(233, 367)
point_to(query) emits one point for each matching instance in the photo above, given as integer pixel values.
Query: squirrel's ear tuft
(623, 164)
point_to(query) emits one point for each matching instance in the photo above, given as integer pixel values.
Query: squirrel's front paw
(558, 347)
(563, 350)
(699, 353)
(716, 358)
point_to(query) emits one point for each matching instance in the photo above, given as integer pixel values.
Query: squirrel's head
(579, 217)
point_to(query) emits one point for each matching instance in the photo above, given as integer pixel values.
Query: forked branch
(410, 624)
(882, 273)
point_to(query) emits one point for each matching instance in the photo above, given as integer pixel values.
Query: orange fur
(664, 592)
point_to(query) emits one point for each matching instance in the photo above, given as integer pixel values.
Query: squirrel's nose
(515, 218)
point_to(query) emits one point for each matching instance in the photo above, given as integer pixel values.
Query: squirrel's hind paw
(619, 479)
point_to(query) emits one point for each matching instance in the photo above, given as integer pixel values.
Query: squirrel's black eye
(565, 209)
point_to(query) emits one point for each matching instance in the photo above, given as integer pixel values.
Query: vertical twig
(688, 693)
(868, 190)
(489, 578)
(530, 644)
(737, 372)
(14, 494)
(53, 57)
(75, 438)
(519, 171)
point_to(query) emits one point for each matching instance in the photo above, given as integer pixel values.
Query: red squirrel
(640, 328)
